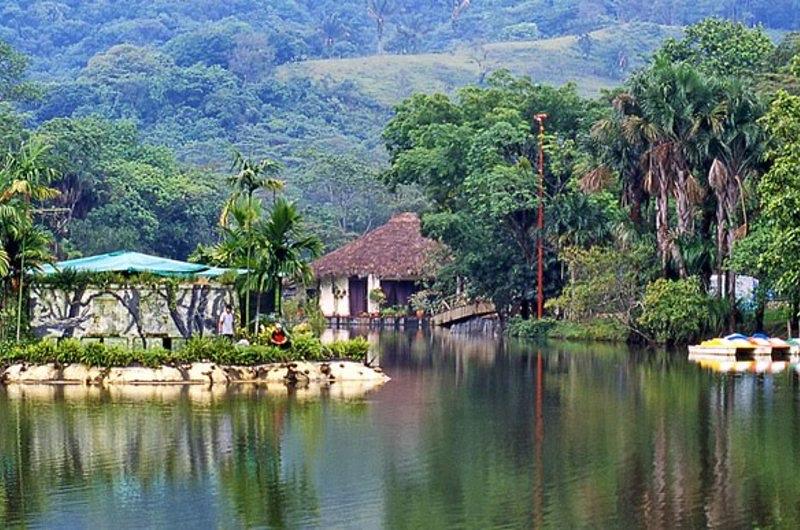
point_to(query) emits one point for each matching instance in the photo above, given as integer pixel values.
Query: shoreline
(290, 374)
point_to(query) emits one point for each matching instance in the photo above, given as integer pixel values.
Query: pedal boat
(731, 347)
(772, 347)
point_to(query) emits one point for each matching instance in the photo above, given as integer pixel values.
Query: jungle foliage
(647, 191)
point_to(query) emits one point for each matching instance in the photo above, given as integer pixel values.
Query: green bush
(600, 329)
(355, 349)
(304, 346)
(673, 311)
(531, 328)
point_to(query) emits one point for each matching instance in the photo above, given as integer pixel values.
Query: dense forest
(139, 107)
(64, 36)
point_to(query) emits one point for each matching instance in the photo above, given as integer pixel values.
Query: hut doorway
(357, 294)
(398, 292)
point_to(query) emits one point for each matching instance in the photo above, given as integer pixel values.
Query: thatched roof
(395, 250)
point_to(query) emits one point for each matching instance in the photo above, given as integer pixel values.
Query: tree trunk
(278, 294)
(793, 317)
(526, 310)
(683, 204)
(662, 228)
(258, 309)
(247, 294)
(720, 247)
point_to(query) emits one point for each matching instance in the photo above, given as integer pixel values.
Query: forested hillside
(63, 36)
(144, 102)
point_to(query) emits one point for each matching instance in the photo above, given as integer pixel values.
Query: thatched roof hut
(396, 250)
(393, 258)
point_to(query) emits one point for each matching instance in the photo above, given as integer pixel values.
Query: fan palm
(679, 116)
(621, 144)
(737, 148)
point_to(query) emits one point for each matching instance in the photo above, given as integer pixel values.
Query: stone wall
(129, 313)
(488, 326)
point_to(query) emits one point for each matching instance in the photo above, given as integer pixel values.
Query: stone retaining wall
(295, 373)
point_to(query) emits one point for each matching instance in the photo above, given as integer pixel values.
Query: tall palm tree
(24, 179)
(250, 177)
(679, 116)
(737, 148)
(619, 145)
(254, 176)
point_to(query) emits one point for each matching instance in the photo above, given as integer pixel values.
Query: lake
(470, 433)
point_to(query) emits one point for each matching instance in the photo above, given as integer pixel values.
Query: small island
(199, 361)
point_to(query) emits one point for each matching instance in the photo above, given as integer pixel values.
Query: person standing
(225, 324)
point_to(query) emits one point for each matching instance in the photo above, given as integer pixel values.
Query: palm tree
(24, 179)
(620, 145)
(679, 115)
(737, 148)
(250, 177)
(290, 247)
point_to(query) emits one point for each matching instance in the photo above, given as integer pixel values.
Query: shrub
(600, 329)
(531, 328)
(355, 349)
(306, 346)
(673, 311)
(303, 346)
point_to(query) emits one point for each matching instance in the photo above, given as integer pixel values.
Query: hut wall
(328, 303)
(331, 307)
(372, 283)
(129, 312)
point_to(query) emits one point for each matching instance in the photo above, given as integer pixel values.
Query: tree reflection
(469, 433)
(50, 442)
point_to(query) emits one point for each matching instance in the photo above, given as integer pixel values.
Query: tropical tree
(273, 247)
(737, 146)
(618, 144)
(24, 181)
(250, 178)
(287, 246)
(722, 48)
(474, 157)
(778, 234)
(678, 115)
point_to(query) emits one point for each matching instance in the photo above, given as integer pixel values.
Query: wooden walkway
(463, 312)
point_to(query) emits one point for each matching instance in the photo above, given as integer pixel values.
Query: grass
(391, 78)
(597, 330)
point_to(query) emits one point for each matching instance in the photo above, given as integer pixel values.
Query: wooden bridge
(459, 313)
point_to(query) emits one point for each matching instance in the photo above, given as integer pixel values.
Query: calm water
(469, 433)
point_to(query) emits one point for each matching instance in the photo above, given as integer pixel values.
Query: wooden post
(540, 224)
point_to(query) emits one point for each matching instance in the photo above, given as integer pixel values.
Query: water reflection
(469, 433)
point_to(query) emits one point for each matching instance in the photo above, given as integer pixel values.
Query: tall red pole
(540, 223)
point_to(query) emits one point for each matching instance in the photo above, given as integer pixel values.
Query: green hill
(594, 62)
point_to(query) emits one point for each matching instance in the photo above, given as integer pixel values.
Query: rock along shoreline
(297, 373)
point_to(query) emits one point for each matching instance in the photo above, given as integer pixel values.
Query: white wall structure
(373, 282)
(329, 303)
(129, 312)
(745, 286)
(340, 307)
